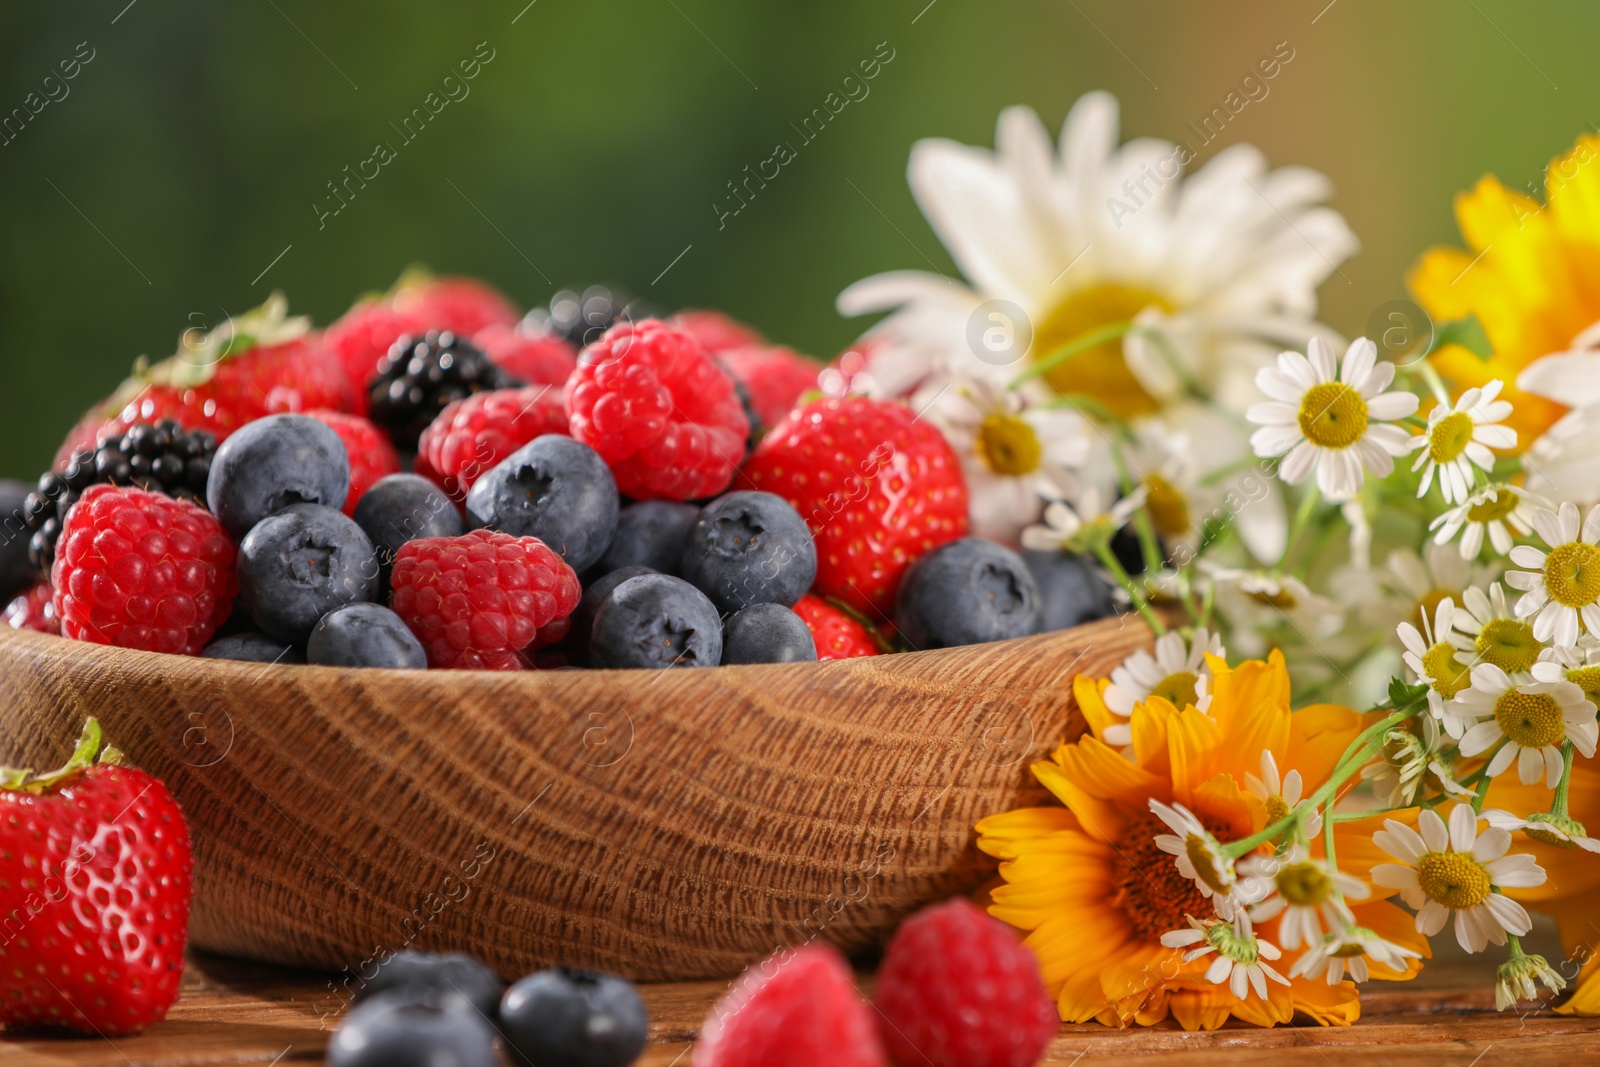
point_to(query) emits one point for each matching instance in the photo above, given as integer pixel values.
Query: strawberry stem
(24, 779)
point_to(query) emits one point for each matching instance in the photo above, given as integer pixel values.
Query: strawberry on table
(96, 878)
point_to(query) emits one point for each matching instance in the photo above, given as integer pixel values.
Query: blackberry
(160, 457)
(580, 318)
(422, 375)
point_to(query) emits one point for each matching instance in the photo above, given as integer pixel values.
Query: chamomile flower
(1431, 657)
(1407, 762)
(1447, 873)
(1305, 892)
(1239, 954)
(1331, 416)
(1176, 671)
(1349, 950)
(1460, 438)
(1519, 978)
(1412, 583)
(1578, 664)
(1560, 831)
(1012, 452)
(1281, 795)
(1561, 588)
(1077, 525)
(1528, 720)
(1200, 858)
(1254, 601)
(1498, 510)
(1487, 631)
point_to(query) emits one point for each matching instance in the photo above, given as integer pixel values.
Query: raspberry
(141, 570)
(663, 416)
(535, 358)
(774, 376)
(794, 1009)
(34, 609)
(371, 455)
(877, 486)
(473, 434)
(476, 602)
(838, 635)
(957, 989)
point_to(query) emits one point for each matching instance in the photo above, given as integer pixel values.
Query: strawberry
(94, 897)
(837, 633)
(538, 358)
(371, 455)
(877, 486)
(417, 303)
(259, 363)
(774, 377)
(716, 332)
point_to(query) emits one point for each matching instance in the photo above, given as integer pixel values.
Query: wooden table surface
(234, 1012)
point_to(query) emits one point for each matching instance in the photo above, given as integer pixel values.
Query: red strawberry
(372, 456)
(417, 303)
(34, 609)
(715, 331)
(957, 989)
(473, 434)
(660, 412)
(95, 895)
(848, 372)
(838, 634)
(774, 376)
(877, 486)
(260, 363)
(535, 358)
(794, 1009)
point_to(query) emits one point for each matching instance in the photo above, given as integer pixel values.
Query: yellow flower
(1529, 274)
(1095, 892)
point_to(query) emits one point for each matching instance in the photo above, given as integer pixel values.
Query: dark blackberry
(421, 375)
(160, 457)
(581, 318)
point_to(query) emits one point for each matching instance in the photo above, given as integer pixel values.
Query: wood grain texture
(664, 825)
(233, 1012)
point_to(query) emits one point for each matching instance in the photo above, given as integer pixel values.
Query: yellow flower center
(1501, 507)
(1198, 849)
(1166, 506)
(1347, 950)
(1508, 644)
(1449, 674)
(1099, 372)
(1450, 437)
(1333, 415)
(1181, 688)
(1454, 879)
(1587, 679)
(1305, 885)
(1572, 574)
(1282, 598)
(1277, 809)
(1008, 445)
(1532, 720)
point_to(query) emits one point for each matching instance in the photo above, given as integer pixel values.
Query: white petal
(1463, 828)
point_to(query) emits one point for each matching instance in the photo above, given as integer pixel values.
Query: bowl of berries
(418, 657)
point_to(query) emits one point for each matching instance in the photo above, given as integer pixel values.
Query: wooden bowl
(664, 825)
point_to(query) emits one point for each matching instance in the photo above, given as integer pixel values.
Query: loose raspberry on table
(141, 570)
(473, 434)
(371, 455)
(957, 989)
(660, 412)
(481, 600)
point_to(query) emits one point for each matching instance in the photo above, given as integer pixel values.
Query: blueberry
(966, 592)
(273, 463)
(16, 573)
(594, 594)
(656, 620)
(570, 1018)
(252, 647)
(767, 633)
(401, 508)
(749, 548)
(443, 972)
(364, 635)
(1072, 590)
(413, 1028)
(649, 534)
(300, 564)
(555, 489)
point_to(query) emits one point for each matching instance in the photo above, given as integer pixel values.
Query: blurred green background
(189, 152)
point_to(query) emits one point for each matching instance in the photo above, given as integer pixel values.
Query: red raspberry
(957, 989)
(715, 331)
(877, 486)
(535, 358)
(474, 433)
(372, 456)
(141, 570)
(34, 609)
(476, 602)
(774, 376)
(838, 634)
(664, 417)
(793, 1009)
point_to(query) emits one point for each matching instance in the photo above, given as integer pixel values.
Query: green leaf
(1468, 333)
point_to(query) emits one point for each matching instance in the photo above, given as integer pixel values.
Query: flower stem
(1108, 559)
(1083, 342)
(1308, 504)
(1558, 807)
